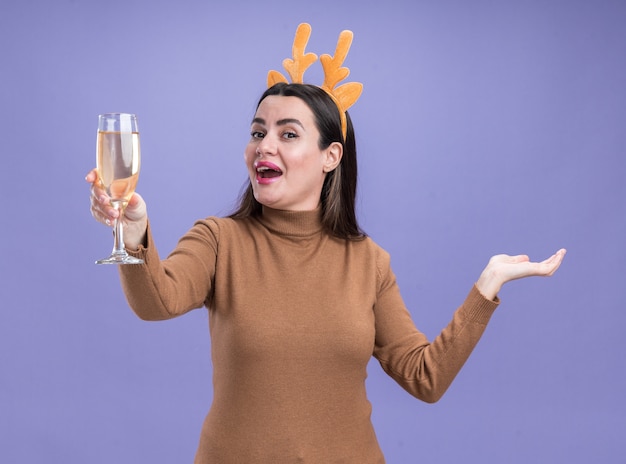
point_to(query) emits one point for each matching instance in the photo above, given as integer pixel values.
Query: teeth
(265, 169)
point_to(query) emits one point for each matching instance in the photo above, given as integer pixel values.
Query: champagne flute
(118, 162)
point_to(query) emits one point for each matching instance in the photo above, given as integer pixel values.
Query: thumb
(136, 208)
(134, 201)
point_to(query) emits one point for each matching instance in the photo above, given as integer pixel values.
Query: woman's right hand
(135, 215)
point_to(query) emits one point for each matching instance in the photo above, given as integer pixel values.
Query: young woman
(299, 298)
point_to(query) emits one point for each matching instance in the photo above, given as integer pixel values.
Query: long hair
(338, 195)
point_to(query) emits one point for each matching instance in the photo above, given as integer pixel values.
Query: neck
(295, 223)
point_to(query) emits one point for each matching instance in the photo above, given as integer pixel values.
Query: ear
(333, 154)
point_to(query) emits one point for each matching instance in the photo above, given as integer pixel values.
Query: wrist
(488, 284)
(135, 235)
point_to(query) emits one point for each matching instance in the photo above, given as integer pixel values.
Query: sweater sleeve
(425, 369)
(163, 289)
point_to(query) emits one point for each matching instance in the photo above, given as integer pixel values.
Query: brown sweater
(295, 316)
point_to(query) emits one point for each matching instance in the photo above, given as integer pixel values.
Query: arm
(422, 368)
(163, 289)
(158, 290)
(427, 369)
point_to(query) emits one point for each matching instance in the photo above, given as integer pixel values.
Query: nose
(266, 146)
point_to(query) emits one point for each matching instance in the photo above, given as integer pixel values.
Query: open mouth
(265, 172)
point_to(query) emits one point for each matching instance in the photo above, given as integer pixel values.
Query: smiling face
(286, 166)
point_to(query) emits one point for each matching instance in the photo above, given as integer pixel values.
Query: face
(286, 166)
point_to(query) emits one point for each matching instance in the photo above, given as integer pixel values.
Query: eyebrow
(280, 122)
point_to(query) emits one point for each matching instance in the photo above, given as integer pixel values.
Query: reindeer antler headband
(345, 95)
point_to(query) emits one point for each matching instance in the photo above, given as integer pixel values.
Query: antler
(300, 61)
(345, 95)
(333, 72)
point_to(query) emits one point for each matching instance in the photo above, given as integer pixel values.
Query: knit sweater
(294, 318)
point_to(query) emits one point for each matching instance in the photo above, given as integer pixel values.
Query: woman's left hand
(504, 268)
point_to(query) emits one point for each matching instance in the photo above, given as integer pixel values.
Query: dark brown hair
(338, 195)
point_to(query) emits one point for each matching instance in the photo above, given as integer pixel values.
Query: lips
(267, 172)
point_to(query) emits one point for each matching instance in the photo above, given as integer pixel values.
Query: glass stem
(118, 235)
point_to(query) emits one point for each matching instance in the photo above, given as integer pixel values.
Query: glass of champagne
(118, 162)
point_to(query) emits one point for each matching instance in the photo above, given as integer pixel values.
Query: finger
(556, 260)
(549, 266)
(97, 190)
(556, 257)
(92, 176)
(101, 206)
(103, 214)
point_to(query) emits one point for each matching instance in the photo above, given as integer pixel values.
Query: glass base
(120, 258)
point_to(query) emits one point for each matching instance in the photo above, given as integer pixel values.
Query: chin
(269, 202)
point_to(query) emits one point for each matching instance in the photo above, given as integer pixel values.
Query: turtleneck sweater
(294, 318)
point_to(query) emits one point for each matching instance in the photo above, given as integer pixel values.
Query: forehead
(276, 107)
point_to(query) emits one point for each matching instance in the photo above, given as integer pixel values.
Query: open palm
(504, 268)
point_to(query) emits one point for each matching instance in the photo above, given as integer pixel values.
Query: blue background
(485, 127)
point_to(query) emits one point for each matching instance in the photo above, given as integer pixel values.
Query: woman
(299, 298)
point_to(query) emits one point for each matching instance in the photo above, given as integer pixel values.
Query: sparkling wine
(118, 164)
(117, 159)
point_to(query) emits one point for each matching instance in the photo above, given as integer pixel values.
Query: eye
(290, 135)
(257, 135)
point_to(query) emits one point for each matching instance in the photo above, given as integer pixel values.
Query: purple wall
(484, 127)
